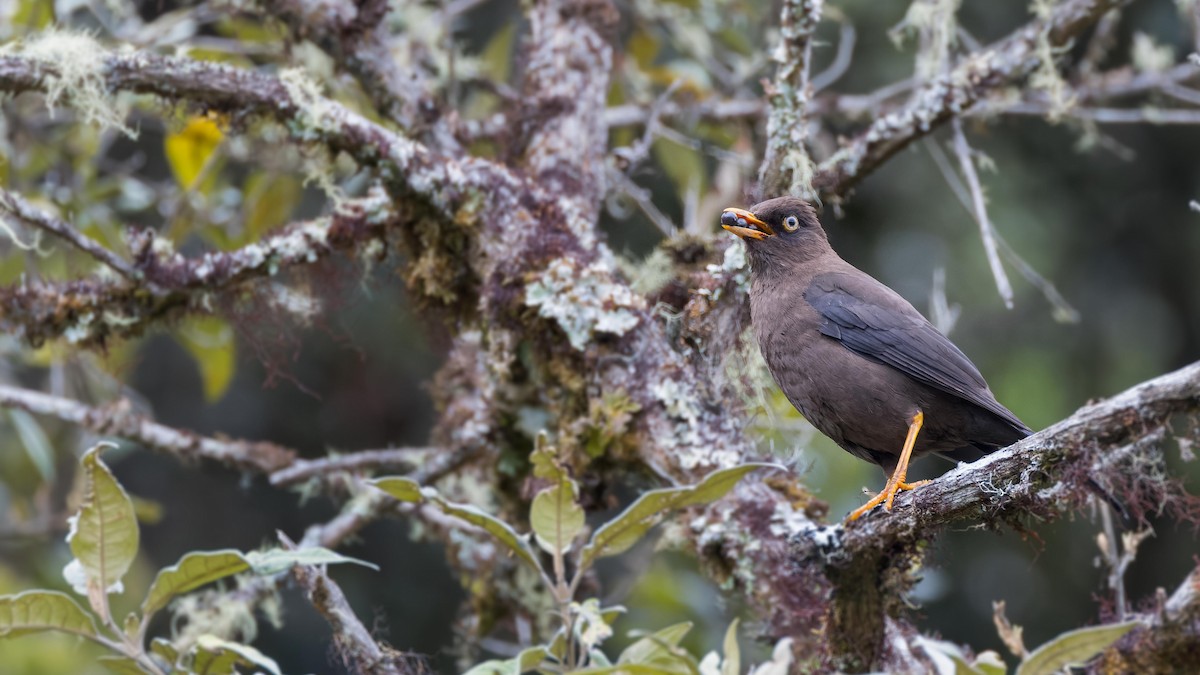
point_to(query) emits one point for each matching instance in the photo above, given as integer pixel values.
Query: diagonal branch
(987, 231)
(119, 419)
(1009, 60)
(357, 649)
(30, 215)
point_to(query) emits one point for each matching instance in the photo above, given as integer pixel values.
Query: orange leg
(895, 481)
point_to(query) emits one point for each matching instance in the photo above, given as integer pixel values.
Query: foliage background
(1108, 224)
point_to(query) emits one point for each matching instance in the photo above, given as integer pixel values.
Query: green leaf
(527, 660)
(210, 342)
(408, 490)
(37, 611)
(399, 487)
(1074, 647)
(215, 653)
(37, 446)
(496, 59)
(104, 532)
(165, 649)
(659, 646)
(213, 662)
(619, 534)
(191, 572)
(121, 665)
(985, 663)
(545, 460)
(276, 560)
(494, 526)
(556, 518)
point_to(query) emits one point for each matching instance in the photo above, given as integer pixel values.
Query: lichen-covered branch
(167, 285)
(355, 35)
(353, 643)
(21, 210)
(407, 169)
(120, 420)
(786, 166)
(1111, 448)
(1168, 641)
(1011, 59)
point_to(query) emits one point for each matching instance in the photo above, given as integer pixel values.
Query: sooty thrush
(855, 358)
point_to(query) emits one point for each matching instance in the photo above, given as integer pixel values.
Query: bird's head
(785, 228)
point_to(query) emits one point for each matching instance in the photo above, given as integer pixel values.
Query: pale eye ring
(791, 223)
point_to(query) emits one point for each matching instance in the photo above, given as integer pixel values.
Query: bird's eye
(791, 223)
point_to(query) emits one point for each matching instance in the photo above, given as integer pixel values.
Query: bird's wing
(871, 320)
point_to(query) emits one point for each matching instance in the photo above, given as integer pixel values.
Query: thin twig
(1151, 116)
(642, 198)
(841, 60)
(32, 216)
(395, 459)
(986, 231)
(1063, 310)
(637, 152)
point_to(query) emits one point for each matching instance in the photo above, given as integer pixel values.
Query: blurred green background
(1109, 226)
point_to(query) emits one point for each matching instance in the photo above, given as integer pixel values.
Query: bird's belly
(864, 406)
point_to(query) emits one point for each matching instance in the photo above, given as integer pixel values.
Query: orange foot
(895, 482)
(886, 497)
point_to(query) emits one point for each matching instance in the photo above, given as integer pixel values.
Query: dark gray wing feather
(865, 316)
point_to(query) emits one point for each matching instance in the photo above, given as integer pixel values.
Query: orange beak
(745, 224)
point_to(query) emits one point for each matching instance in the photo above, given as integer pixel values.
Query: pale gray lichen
(294, 301)
(81, 329)
(734, 267)
(75, 64)
(690, 440)
(583, 301)
(1150, 57)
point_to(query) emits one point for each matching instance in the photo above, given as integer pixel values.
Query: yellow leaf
(210, 341)
(189, 150)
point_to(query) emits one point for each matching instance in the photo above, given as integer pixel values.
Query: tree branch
(406, 168)
(92, 311)
(120, 420)
(786, 166)
(354, 34)
(987, 231)
(27, 213)
(945, 96)
(359, 652)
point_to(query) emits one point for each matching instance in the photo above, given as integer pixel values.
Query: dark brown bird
(855, 358)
